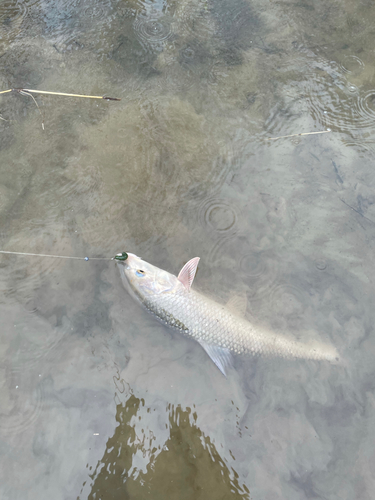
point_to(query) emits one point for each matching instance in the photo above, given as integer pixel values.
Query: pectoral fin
(187, 273)
(237, 304)
(219, 355)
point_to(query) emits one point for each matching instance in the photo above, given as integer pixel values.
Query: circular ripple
(335, 106)
(154, 31)
(23, 405)
(96, 11)
(187, 54)
(364, 148)
(352, 89)
(286, 300)
(320, 264)
(352, 64)
(11, 13)
(261, 271)
(253, 265)
(219, 216)
(30, 306)
(330, 105)
(332, 101)
(366, 109)
(336, 103)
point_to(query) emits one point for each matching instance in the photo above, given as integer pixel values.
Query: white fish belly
(211, 323)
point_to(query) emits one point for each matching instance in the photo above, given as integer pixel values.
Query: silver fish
(220, 331)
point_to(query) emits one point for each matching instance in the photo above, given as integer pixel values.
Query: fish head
(144, 280)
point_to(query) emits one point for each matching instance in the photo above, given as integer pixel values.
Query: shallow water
(99, 400)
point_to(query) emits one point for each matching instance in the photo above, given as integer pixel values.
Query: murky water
(99, 400)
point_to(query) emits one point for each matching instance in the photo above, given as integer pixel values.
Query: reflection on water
(187, 466)
(180, 167)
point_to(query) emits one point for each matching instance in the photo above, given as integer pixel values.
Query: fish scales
(205, 320)
(219, 331)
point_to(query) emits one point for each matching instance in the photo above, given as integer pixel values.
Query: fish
(222, 331)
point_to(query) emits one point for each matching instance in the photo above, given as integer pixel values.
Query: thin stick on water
(296, 135)
(106, 98)
(29, 93)
(54, 256)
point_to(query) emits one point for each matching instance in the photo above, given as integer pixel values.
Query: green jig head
(121, 256)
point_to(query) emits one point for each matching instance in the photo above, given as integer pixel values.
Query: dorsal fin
(187, 273)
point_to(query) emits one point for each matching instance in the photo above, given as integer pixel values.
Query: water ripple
(152, 30)
(170, 162)
(340, 106)
(33, 349)
(95, 11)
(260, 270)
(352, 64)
(72, 24)
(237, 26)
(12, 14)
(219, 215)
(366, 108)
(194, 19)
(253, 265)
(285, 300)
(321, 264)
(22, 404)
(328, 95)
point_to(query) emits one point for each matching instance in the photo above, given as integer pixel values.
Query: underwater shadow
(187, 467)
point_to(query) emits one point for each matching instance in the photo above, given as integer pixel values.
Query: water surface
(99, 400)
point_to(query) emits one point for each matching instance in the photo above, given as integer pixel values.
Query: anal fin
(221, 356)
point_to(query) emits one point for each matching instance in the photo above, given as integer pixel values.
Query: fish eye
(139, 273)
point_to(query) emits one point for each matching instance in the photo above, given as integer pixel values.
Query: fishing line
(56, 256)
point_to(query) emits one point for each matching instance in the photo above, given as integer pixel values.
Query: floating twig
(106, 98)
(29, 93)
(297, 135)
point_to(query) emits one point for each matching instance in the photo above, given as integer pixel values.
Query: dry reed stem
(296, 135)
(29, 93)
(106, 98)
